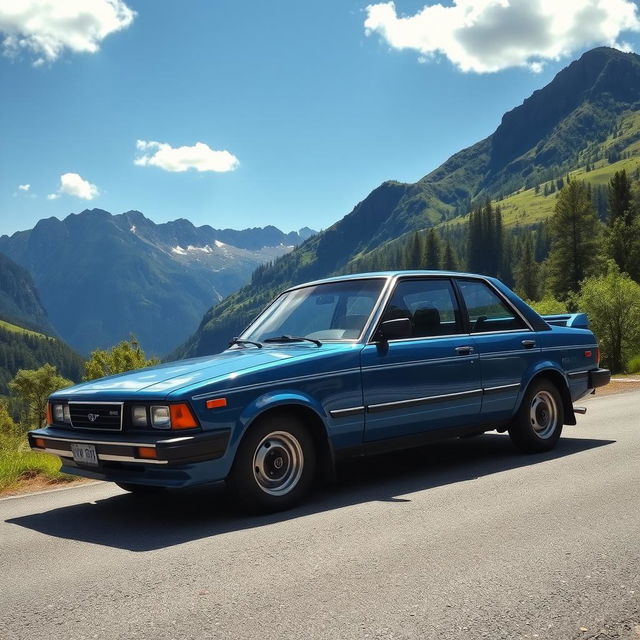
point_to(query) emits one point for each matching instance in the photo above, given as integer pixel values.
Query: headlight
(161, 417)
(139, 416)
(66, 416)
(58, 413)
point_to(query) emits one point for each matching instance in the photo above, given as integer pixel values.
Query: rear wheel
(538, 423)
(274, 465)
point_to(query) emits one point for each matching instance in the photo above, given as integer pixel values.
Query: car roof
(387, 274)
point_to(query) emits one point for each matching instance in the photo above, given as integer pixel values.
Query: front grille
(101, 416)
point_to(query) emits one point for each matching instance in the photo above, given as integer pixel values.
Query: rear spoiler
(574, 320)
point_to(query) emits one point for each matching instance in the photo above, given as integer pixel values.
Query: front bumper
(115, 450)
(599, 378)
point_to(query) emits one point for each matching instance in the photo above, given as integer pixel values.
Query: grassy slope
(14, 328)
(525, 207)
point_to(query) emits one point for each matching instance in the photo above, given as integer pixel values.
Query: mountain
(23, 328)
(19, 301)
(550, 134)
(103, 276)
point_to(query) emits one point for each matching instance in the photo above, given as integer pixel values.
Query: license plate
(84, 454)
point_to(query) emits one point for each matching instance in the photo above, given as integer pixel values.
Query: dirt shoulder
(620, 384)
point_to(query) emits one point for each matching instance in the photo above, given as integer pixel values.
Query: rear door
(506, 344)
(428, 381)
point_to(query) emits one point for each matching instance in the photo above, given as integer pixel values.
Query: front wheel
(538, 423)
(274, 465)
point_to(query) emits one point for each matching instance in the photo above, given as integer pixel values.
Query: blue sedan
(331, 369)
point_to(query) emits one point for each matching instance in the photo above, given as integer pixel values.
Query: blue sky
(316, 111)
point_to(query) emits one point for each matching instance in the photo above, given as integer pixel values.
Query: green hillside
(24, 349)
(588, 114)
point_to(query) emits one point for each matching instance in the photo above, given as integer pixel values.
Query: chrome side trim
(512, 352)
(415, 363)
(571, 346)
(502, 387)
(419, 339)
(343, 413)
(258, 385)
(576, 374)
(114, 458)
(384, 406)
(56, 452)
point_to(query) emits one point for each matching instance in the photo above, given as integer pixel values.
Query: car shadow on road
(128, 522)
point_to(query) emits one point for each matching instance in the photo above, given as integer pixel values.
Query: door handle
(528, 344)
(464, 351)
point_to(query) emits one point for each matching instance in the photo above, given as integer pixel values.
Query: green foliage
(575, 240)
(433, 250)
(485, 240)
(548, 306)
(612, 302)
(619, 193)
(124, 356)
(31, 388)
(29, 350)
(633, 366)
(527, 272)
(7, 424)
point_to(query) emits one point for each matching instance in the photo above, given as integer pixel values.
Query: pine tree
(433, 250)
(449, 258)
(620, 198)
(527, 271)
(415, 254)
(574, 240)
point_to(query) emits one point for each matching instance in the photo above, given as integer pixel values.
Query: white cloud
(24, 187)
(200, 157)
(73, 184)
(490, 35)
(46, 28)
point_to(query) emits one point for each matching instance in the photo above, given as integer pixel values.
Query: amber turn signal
(181, 417)
(39, 442)
(216, 403)
(147, 452)
(49, 414)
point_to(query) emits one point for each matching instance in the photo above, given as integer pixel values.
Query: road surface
(464, 539)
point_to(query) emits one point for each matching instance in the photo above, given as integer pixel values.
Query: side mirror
(395, 329)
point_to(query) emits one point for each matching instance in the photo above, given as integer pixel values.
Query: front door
(428, 381)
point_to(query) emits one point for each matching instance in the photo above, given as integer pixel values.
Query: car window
(429, 304)
(487, 311)
(329, 311)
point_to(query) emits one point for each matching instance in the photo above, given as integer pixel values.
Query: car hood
(164, 379)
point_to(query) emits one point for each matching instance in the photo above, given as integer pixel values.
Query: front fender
(272, 400)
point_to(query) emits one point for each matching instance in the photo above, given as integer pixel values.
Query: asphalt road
(464, 539)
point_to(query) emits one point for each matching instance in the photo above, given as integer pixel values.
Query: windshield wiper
(240, 341)
(293, 339)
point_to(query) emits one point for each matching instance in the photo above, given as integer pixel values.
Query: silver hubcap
(543, 414)
(278, 463)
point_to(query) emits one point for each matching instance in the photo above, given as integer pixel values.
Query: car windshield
(330, 311)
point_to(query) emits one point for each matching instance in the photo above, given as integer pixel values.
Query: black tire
(141, 489)
(274, 466)
(538, 423)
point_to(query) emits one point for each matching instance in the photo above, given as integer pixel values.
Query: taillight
(598, 356)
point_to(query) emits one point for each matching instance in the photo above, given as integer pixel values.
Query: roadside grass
(20, 467)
